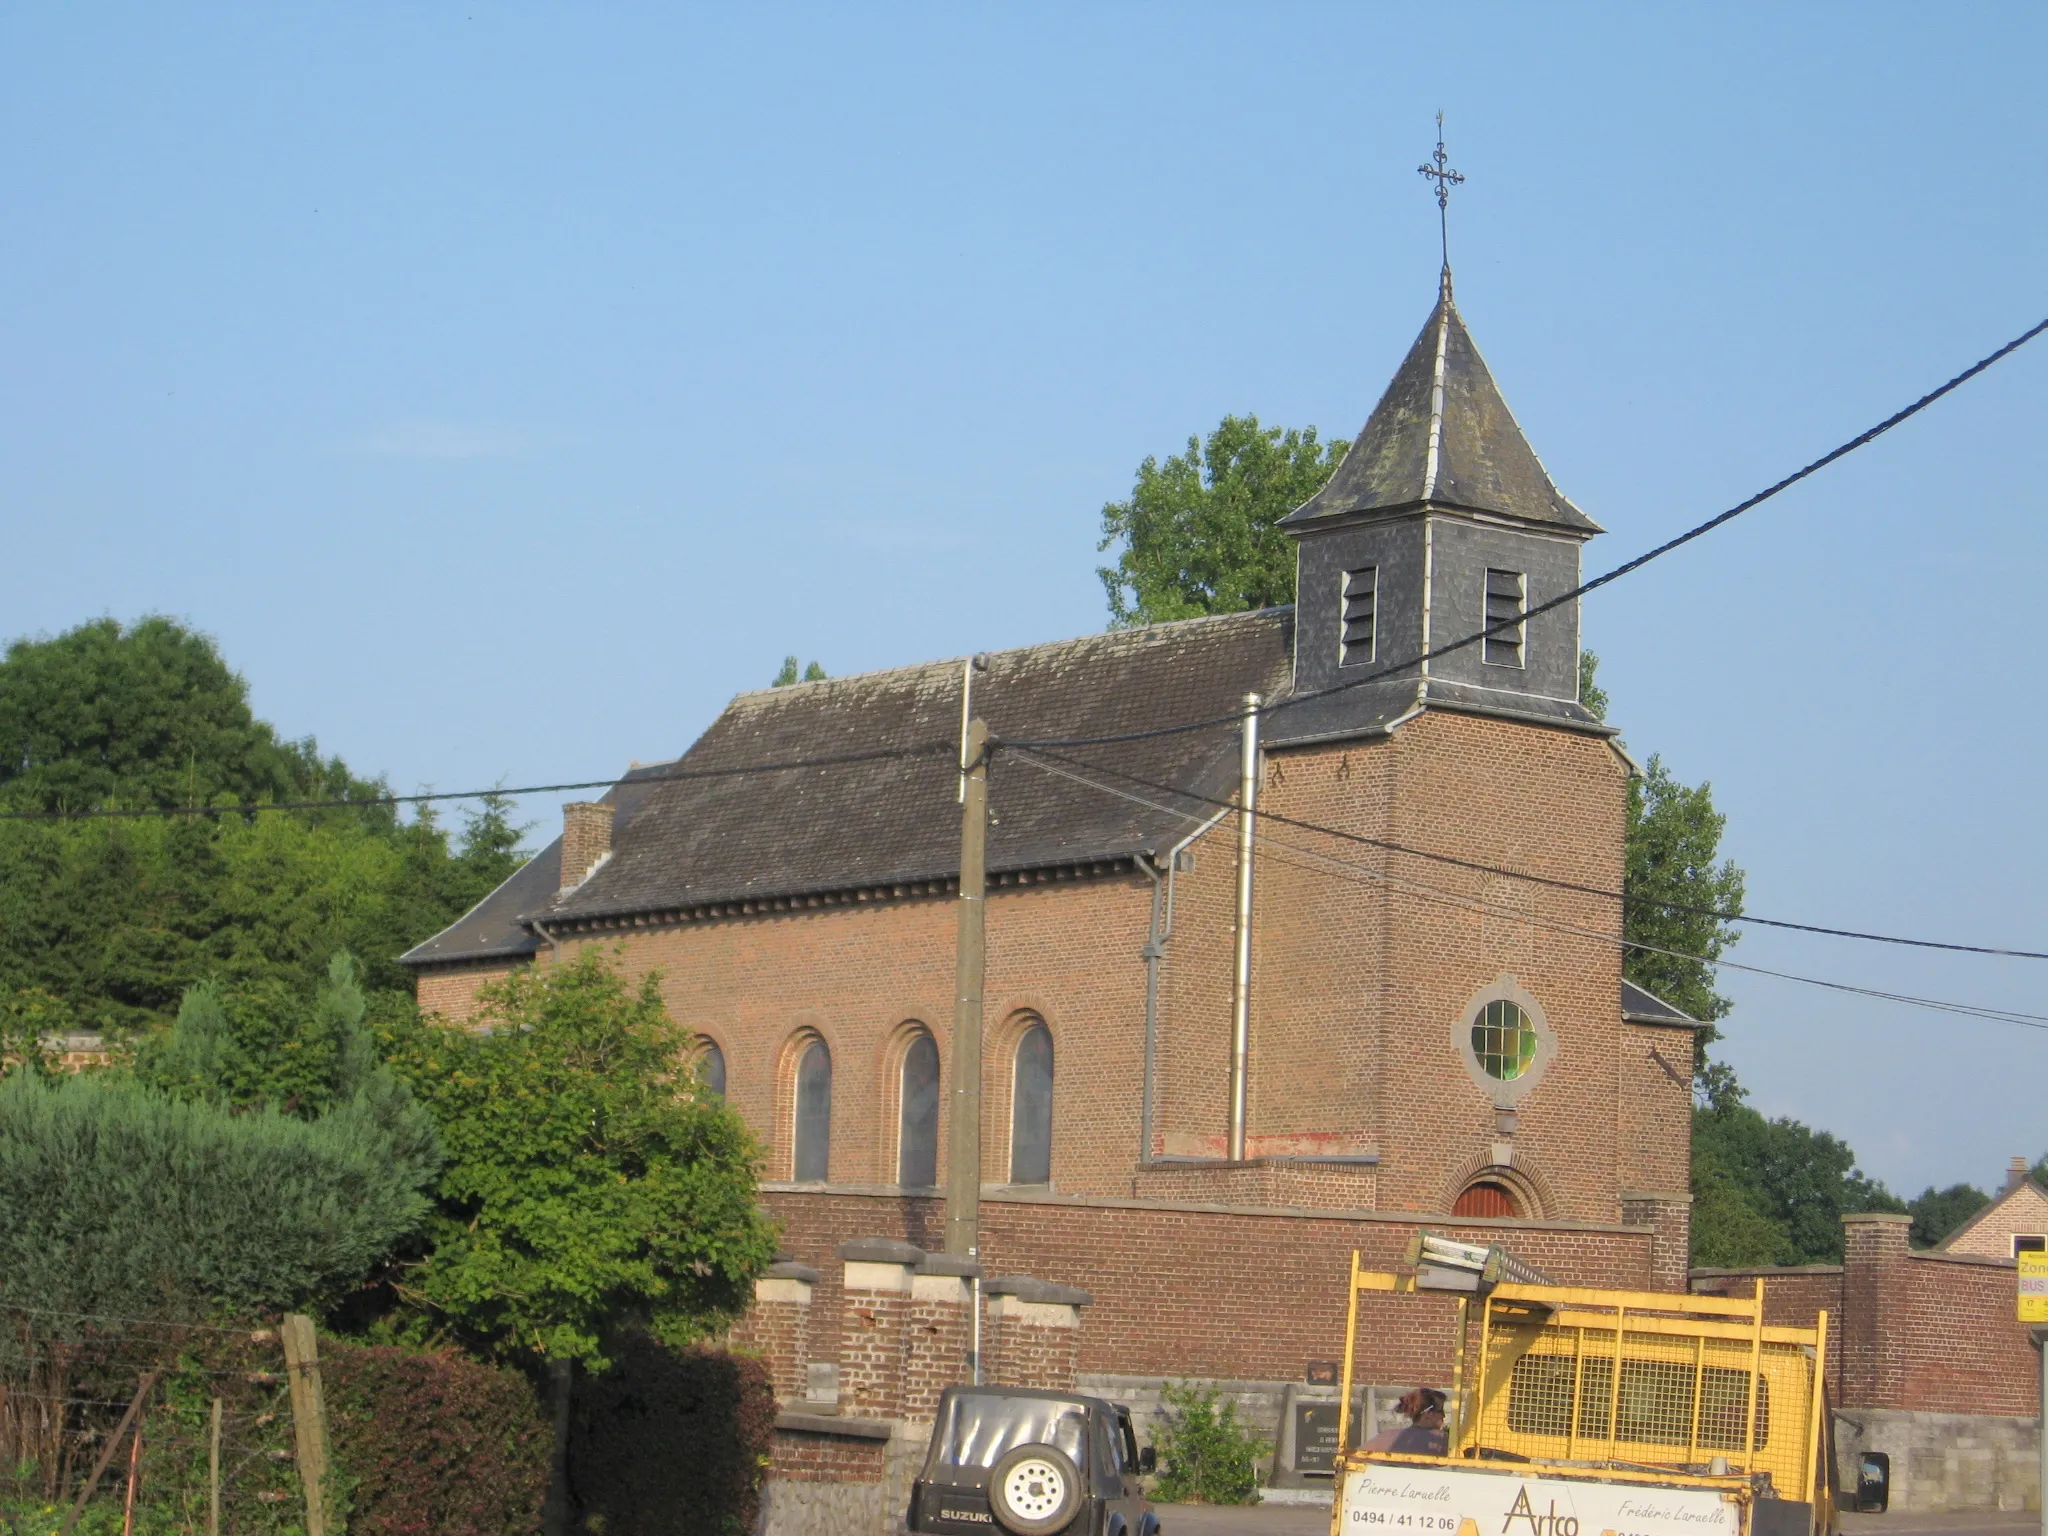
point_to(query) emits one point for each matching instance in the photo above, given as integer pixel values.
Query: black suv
(1032, 1464)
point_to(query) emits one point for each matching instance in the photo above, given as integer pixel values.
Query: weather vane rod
(1437, 169)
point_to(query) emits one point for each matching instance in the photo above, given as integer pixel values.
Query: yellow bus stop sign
(2033, 1287)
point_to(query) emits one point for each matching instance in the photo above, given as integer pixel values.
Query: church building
(1429, 1027)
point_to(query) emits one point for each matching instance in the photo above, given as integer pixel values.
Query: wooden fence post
(309, 1422)
(213, 1474)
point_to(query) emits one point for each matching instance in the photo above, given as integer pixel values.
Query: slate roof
(685, 842)
(493, 927)
(1639, 1005)
(1482, 462)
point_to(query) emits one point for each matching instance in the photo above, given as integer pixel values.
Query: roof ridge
(952, 663)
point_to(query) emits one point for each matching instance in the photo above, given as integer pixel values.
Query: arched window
(1486, 1198)
(917, 1130)
(812, 1161)
(711, 1066)
(1031, 1109)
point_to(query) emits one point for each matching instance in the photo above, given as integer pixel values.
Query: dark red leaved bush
(670, 1442)
(434, 1445)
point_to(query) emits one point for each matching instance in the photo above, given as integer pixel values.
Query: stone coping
(789, 1269)
(1764, 1271)
(1030, 1288)
(1983, 1260)
(832, 1424)
(1434, 1220)
(881, 1250)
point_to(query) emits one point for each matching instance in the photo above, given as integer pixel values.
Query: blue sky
(506, 386)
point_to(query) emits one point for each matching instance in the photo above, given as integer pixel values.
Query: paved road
(1300, 1520)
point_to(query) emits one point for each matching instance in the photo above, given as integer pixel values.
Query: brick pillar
(778, 1326)
(1873, 1275)
(1669, 1218)
(873, 1318)
(1032, 1336)
(938, 1334)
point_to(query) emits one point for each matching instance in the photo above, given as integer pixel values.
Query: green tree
(263, 1045)
(120, 1200)
(1938, 1212)
(115, 919)
(1675, 883)
(146, 715)
(588, 1186)
(1772, 1191)
(788, 674)
(1197, 534)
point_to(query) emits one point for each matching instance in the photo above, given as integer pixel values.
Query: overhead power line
(1842, 450)
(512, 792)
(1472, 903)
(1478, 867)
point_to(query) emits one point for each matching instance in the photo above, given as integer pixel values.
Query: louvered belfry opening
(1505, 600)
(1361, 601)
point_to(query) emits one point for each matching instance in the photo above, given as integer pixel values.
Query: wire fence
(144, 1427)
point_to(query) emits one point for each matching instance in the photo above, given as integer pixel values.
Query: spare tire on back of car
(1034, 1491)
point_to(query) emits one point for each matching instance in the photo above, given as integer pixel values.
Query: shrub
(1206, 1455)
(434, 1445)
(116, 1200)
(670, 1441)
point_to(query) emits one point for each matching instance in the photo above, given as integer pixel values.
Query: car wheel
(1034, 1491)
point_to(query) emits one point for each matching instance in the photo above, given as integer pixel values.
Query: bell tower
(1440, 522)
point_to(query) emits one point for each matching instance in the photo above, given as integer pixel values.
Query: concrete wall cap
(1030, 1288)
(948, 1264)
(789, 1269)
(880, 1250)
(1894, 1218)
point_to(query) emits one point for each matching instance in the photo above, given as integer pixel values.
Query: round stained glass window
(1504, 1040)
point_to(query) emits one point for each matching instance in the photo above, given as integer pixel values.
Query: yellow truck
(1714, 1424)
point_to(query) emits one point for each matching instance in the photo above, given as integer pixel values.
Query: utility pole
(963, 1157)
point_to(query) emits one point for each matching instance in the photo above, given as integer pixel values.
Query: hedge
(434, 1445)
(670, 1442)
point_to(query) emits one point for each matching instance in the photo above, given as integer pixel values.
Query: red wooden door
(1485, 1200)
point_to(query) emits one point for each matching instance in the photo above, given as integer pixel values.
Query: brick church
(1436, 1028)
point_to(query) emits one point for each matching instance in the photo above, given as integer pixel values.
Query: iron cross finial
(1438, 170)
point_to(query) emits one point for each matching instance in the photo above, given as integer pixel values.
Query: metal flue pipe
(1241, 976)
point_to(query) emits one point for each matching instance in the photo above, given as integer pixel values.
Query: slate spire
(1442, 436)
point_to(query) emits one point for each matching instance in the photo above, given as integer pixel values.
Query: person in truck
(1424, 1433)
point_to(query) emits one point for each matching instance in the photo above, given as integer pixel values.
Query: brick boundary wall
(1187, 1290)
(1921, 1331)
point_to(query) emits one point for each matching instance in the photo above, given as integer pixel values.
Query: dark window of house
(1031, 1109)
(711, 1066)
(2022, 1245)
(917, 1143)
(813, 1114)
(1505, 599)
(1361, 600)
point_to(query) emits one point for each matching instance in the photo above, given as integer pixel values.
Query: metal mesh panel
(1683, 1397)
